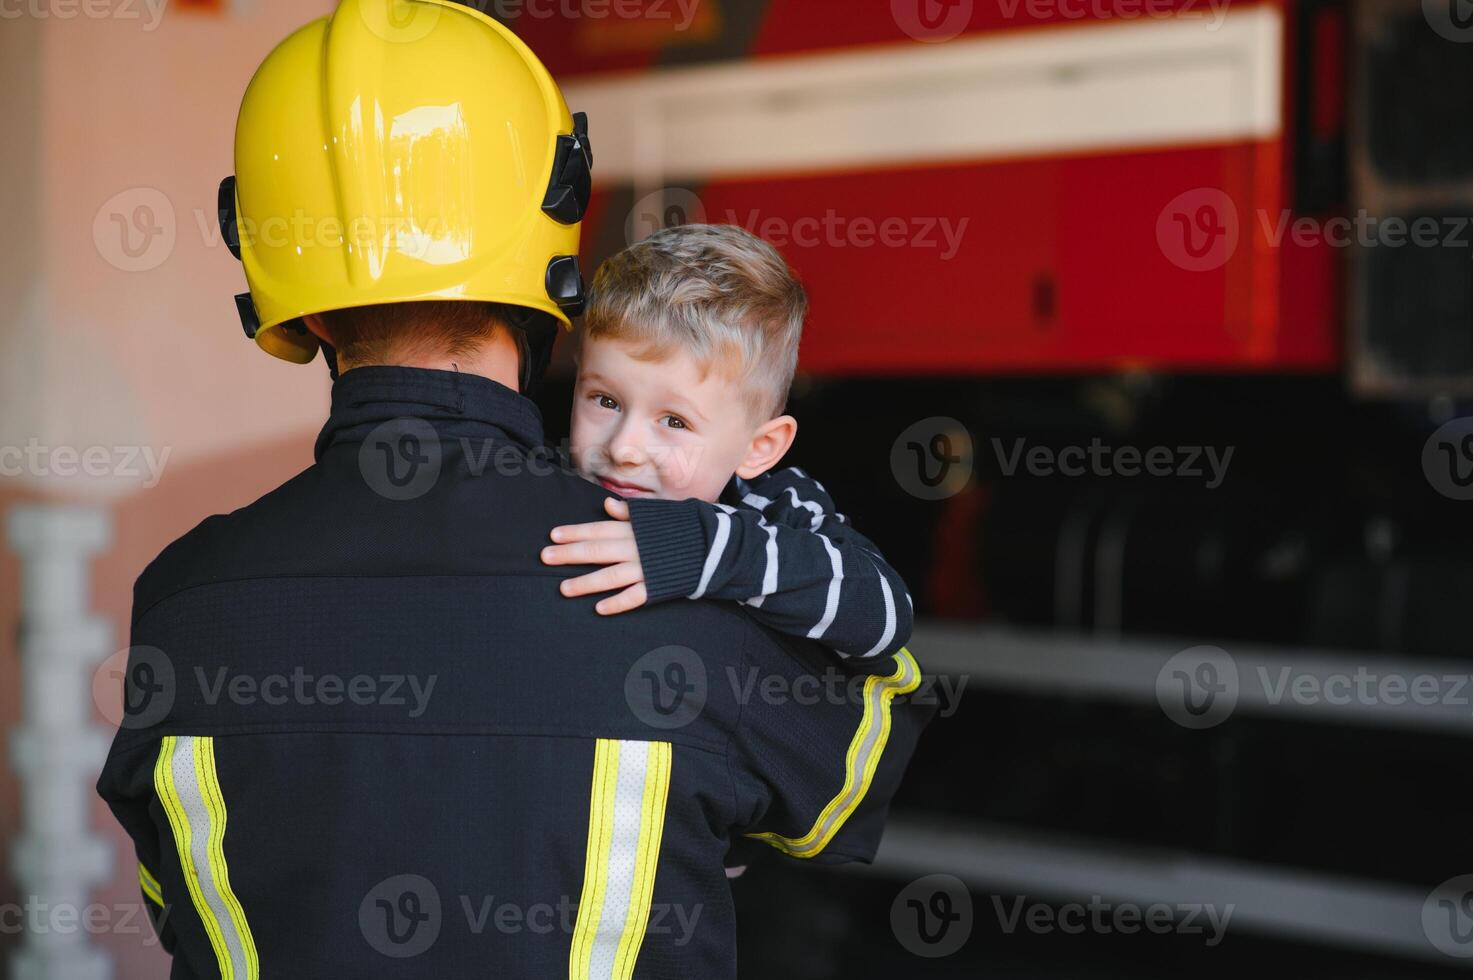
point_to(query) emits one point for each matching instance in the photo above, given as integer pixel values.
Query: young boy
(685, 359)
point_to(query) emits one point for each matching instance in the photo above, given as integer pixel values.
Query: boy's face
(663, 428)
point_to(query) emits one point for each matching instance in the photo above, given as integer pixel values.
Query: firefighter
(365, 735)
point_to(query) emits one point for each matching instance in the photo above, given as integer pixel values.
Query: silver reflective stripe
(863, 758)
(623, 849)
(871, 744)
(626, 822)
(206, 831)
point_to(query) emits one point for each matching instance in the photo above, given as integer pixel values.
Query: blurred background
(1142, 341)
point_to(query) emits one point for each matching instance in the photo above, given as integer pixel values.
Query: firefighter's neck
(489, 361)
(496, 357)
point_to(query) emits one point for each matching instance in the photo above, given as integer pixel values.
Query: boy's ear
(769, 444)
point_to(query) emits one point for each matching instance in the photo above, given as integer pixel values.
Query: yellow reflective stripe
(188, 787)
(860, 762)
(209, 780)
(651, 833)
(595, 868)
(151, 887)
(626, 825)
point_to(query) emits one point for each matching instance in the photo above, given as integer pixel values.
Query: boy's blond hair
(716, 292)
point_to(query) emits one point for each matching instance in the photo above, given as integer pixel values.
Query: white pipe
(57, 751)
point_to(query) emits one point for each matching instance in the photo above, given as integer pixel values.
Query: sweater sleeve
(787, 554)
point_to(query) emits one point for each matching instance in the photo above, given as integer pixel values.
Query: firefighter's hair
(716, 292)
(390, 332)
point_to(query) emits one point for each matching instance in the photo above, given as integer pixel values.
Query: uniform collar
(376, 394)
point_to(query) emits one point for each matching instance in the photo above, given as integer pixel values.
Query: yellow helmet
(404, 150)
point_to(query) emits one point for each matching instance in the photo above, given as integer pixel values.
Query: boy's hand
(608, 543)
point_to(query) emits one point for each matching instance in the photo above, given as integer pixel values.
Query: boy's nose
(625, 451)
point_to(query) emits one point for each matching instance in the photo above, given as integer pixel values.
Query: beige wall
(154, 357)
(149, 361)
(19, 271)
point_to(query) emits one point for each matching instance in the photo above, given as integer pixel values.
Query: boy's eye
(674, 422)
(604, 401)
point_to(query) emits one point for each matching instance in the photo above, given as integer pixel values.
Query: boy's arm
(787, 554)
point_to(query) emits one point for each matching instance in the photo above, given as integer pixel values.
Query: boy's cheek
(578, 437)
(683, 473)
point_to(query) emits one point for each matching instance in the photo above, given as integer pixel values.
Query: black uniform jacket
(365, 735)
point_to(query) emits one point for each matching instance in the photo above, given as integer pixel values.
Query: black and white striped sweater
(777, 545)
